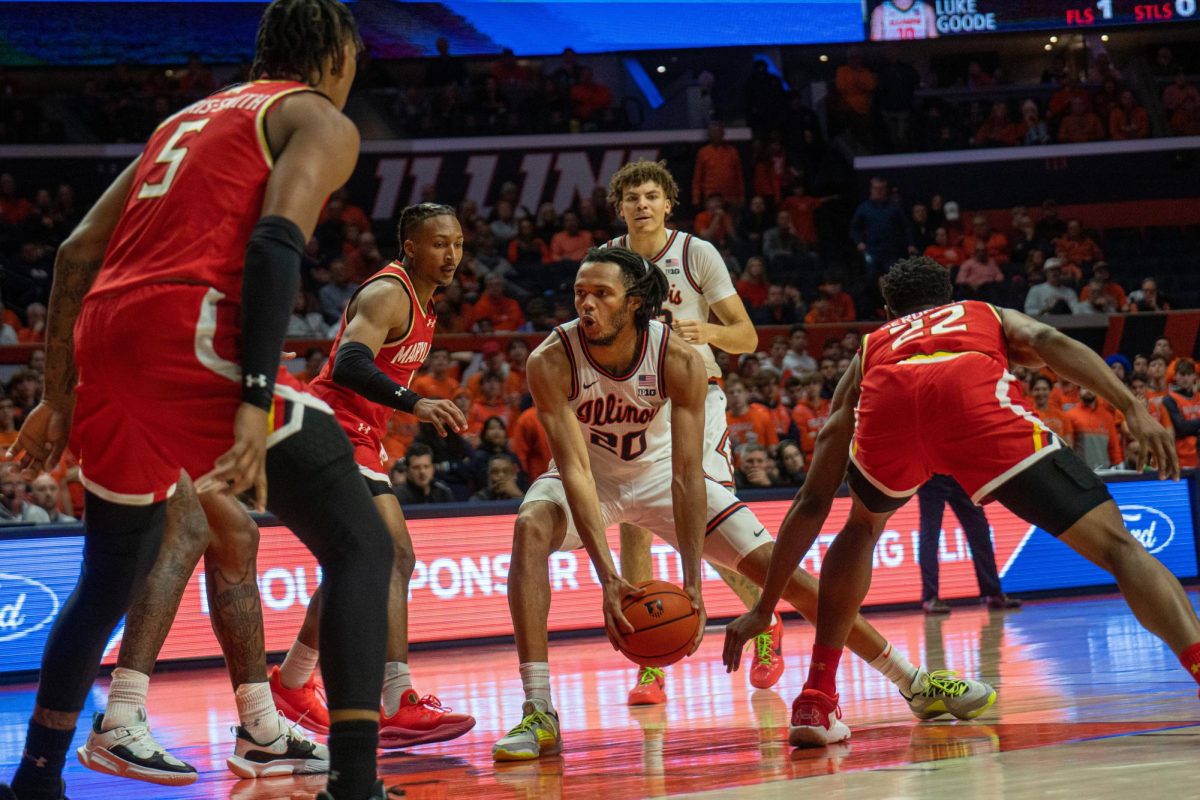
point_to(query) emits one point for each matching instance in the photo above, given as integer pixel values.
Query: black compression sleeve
(269, 287)
(354, 367)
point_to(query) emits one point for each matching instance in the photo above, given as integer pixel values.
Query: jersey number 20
(632, 444)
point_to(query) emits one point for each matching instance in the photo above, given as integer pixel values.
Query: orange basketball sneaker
(421, 720)
(768, 656)
(305, 705)
(649, 690)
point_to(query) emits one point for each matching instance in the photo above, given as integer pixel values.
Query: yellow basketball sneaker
(538, 735)
(940, 692)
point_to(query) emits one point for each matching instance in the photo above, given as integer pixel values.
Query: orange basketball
(665, 624)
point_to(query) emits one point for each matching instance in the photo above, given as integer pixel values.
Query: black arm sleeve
(1183, 427)
(269, 286)
(354, 367)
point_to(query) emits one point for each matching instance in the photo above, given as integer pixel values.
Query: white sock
(535, 679)
(896, 668)
(126, 698)
(298, 665)
(256, 711)
(396, 681)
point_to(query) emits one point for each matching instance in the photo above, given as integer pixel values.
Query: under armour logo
(654, 608)
(809, 717)
(39, 761)
(1195, 669)
(364, 427)
(256, 380)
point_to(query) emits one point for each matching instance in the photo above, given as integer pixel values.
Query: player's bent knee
(535, 534)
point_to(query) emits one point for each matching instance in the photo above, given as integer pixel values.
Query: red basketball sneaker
(306, 705)
(421, 720)
(649, 690)
(816, 720)
(768, 656)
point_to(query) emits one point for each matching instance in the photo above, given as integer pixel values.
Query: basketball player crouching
(622, 399)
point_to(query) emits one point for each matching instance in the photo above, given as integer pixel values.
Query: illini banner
(460, 583)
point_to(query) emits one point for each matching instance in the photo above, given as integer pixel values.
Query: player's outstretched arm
(547, 372)
(43, 436)
(380, 307)
(807, 514)
(317, 149)
(686, 387)
(1032, 344)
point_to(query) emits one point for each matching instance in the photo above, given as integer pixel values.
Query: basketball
(664, 621)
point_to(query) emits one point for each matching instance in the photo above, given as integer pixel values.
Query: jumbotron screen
(895, 20)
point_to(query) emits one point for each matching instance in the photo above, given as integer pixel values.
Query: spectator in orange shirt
(981, 231)
(801, 208)
(1128, 120)
(1186, 119)
(502, 311)
(838, 305)
(402, 431)
(1096, 439)
(714, 224)
(1048, 413)
(718, 170)
(35, 324)
(809, 409)
(856, 85)
(1062, 101)
(491, 359)
(1078, 246)
(1064, 396)
(589, 98)
(1156, 371)
(8, 422)
(571, 243)
(490, 404)
(527, 250)
(753, 284)
(1081, 125)
(998, 130)
(1183, 407)
(13, 208)
(1102, 281)
(365, 259)
(942, 251)
(438, 381)
(339, 209)
(516, 385)
(747, 423)
(528, 440)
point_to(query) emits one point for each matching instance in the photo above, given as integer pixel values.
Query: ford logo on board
(26, 606)
(1151, 527)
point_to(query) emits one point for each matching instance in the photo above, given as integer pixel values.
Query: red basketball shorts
(965, 417)
(159, 386)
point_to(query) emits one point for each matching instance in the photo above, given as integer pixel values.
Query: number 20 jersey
(625, 418)
(197, 194)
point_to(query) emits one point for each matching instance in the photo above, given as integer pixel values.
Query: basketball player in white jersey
(622, 401)
(643, 194)
(897, 20)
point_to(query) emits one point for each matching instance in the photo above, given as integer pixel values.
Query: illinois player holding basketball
(622, 400)
(897, 20)
(934, 394)
(385, 336)
(190, 263)
(643, 194)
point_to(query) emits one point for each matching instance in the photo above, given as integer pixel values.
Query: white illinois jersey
(625, 418)
(698, 278)
(894, 23)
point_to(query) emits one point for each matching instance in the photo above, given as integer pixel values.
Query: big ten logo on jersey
(914, 326)
(410, 353)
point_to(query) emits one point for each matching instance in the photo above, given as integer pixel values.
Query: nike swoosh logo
(590, 385)
(759, 532)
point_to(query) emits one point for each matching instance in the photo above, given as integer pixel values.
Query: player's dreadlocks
(916, 283)
(635, 173)
(412, 217)
(641, 278)
(296, 36)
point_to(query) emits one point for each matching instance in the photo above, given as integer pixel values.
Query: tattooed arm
(44, 434)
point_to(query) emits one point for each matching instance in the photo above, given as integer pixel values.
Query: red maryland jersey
(938, 334)
(399, 359)
(197, 194)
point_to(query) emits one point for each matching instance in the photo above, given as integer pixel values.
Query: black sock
(39, 775)
(352, 748)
